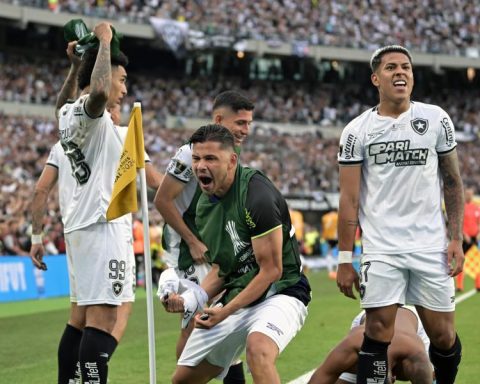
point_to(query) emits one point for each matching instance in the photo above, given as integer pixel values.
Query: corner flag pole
(148, 272)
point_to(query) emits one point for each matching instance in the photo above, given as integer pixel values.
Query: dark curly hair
(88, 62)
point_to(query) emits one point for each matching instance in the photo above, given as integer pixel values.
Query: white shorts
(195, 273)
(101, 264)
(416, 278)
(279, 317)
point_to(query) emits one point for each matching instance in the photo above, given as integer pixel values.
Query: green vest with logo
(224, 226)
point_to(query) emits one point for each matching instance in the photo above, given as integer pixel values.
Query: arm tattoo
(452, 194)
(69, 89)
(100, 81)
(352, 223)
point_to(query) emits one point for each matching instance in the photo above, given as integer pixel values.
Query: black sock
(372, 361)
(446, 362)
(67, 356)
(96, 349)
(235, 375)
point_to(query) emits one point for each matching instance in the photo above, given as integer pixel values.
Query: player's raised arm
(101, 79)
(70, 86)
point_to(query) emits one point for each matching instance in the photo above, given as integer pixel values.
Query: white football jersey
(58, 160)
(179, 167)
(400, 194)
(93, 147)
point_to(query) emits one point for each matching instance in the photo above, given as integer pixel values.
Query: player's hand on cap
(75, 60)
(347, 277)
(103, 31)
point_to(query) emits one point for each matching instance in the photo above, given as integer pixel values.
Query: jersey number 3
(80, 169)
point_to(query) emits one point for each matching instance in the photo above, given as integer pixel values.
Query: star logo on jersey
(419, 125)
(117, 287)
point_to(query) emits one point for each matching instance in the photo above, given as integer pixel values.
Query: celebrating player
(392, 160)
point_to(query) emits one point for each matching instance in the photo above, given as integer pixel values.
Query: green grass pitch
(30, 330)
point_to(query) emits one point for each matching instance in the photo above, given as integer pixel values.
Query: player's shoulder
(427, 109)
(358, 123)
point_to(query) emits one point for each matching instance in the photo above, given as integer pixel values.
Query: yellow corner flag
(472, 262)
(124, 195)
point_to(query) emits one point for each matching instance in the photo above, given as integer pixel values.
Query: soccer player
(99, 251)
(58, 167)
(176, 200)
(407, 355)
(245, 224)
(393, 159)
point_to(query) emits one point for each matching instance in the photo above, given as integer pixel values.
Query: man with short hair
(58, 167)
(245, 223)
(393, 159)
(176, 200)
(98, 251)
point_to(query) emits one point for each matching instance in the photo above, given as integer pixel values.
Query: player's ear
(233, 160)
(374, 79)
(217, 118)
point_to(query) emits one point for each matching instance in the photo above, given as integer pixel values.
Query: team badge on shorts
(419, 125)
(117, 287)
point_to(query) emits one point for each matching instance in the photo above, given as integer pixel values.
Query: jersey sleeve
(446, 136)
(351, 147)
(53, 157)
(263, 206)
(75, 124)
(180, 165)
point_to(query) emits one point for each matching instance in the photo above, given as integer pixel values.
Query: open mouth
(400, 84)
(205, 180)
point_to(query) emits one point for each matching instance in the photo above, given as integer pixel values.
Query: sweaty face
(394, 78)
(238, 123)
(211, 165)
(118, 89)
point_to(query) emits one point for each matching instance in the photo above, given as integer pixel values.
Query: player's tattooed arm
(101, 79)
(453, 194)
(70, 86)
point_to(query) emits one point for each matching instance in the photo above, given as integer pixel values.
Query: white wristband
(37, 239)
(345, 257)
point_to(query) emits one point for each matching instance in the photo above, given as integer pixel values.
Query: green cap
(76, 29)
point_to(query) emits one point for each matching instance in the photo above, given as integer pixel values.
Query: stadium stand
(290, 92)
(449, 27)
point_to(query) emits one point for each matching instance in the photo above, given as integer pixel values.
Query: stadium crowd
(443, 26)
(307, 162)
(37, 80)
